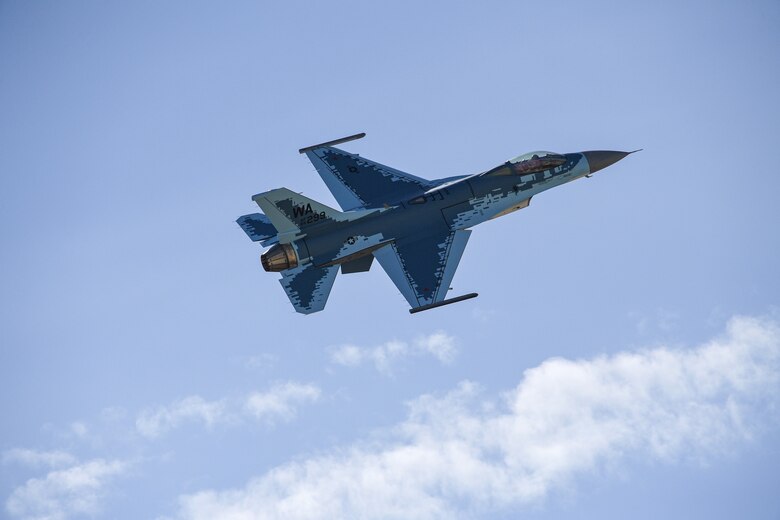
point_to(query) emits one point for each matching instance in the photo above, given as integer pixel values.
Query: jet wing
(422, 268)
(356, 182)
(308, 287)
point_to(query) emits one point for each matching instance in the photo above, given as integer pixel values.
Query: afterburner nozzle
(279, 258)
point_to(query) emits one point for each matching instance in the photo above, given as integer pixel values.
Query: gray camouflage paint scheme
(415, 228)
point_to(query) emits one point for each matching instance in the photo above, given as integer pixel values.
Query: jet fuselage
(417, 229)
(456, 204)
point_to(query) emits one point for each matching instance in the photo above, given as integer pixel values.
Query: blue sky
(622, 357)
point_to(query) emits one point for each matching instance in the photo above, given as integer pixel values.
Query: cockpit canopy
(536, 161)
(530, 162)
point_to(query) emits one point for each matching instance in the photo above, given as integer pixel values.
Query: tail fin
(291, 213)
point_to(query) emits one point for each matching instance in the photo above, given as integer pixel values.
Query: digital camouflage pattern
(417, 229)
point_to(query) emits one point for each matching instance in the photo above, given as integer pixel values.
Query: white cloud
(483, 315)
(281, 401)
(36, 459)
(61, 494)
(113, 414)
(439, 344)
(348, 355)
(155, 422)
(262, 361)
(79, 429)
(459, 456)
(661, 320)
(72, 489)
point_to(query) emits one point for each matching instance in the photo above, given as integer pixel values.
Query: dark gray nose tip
(600, 159)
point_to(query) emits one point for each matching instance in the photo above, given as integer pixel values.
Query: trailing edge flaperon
(416, 228)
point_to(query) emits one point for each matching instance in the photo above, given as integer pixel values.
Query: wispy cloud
(482, 314)
(79, 429)
(281, 401)
(262, 361)
(70, 488)
(37, 459)
(384, 356)
(661, 320)
(155, 422)
(458, 455)
(61, 494)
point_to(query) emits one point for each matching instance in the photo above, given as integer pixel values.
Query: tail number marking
(307, 214)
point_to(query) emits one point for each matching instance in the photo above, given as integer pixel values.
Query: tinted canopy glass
(536, 161)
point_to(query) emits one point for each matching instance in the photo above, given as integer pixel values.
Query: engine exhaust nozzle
(279, 258)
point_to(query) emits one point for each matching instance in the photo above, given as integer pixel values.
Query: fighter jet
(417, 229)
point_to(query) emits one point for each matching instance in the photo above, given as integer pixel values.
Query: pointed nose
(600, 159)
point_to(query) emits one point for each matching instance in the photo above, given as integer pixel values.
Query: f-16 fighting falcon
(416, 228)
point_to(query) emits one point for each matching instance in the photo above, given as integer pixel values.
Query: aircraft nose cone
(600, 159)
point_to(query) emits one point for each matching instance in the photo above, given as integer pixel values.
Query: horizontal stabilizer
(308, 287)
(257, 226)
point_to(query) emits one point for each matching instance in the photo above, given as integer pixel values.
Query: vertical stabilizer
(291, 213)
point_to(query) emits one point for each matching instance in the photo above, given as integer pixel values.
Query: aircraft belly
(351, 240)
(353, 247)
(360, 237)
(504, 203)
